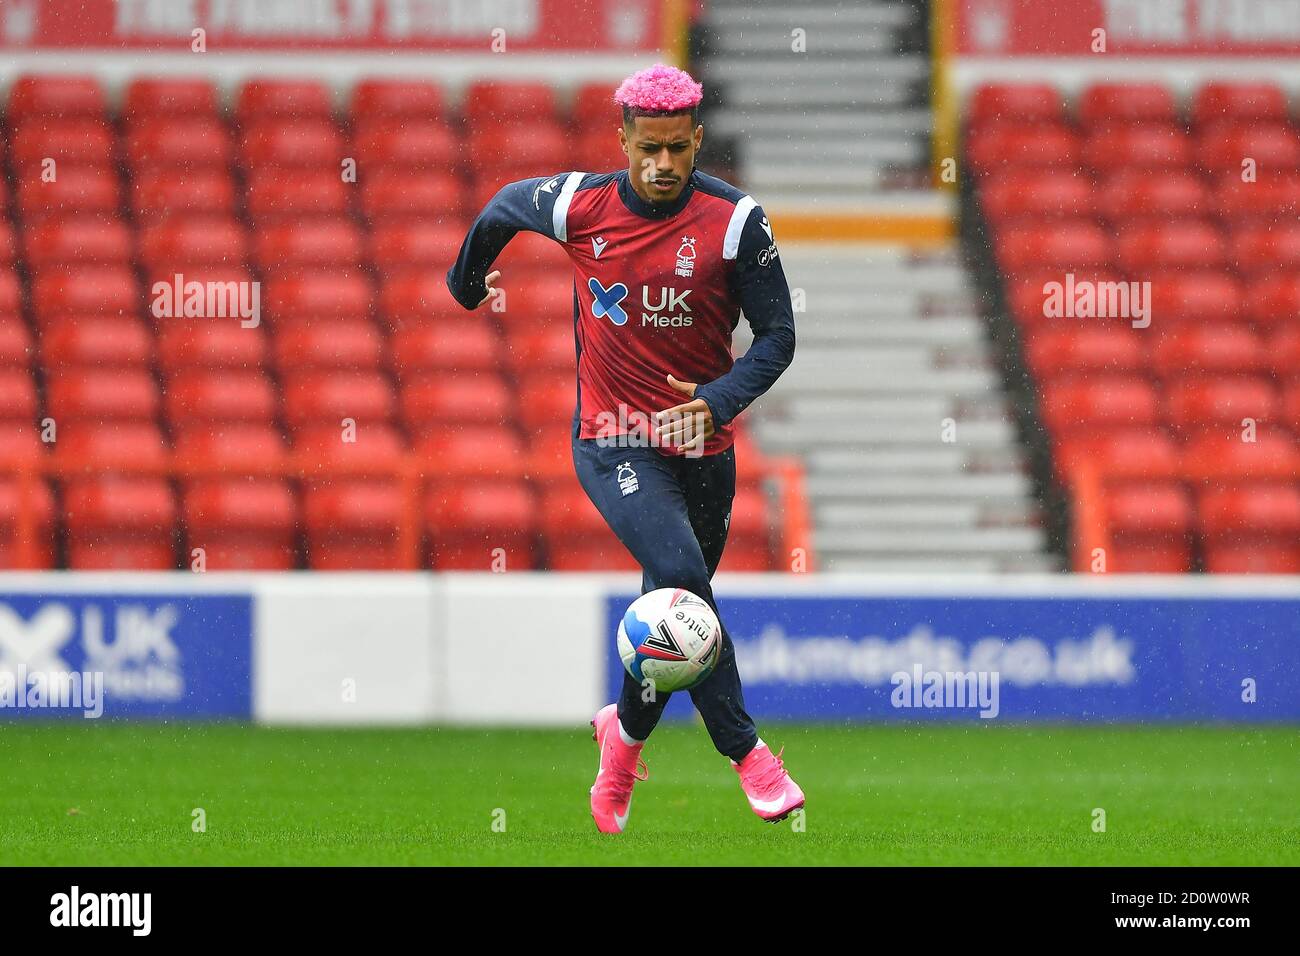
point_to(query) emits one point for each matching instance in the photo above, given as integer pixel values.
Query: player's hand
(687, 425)
(491, 289)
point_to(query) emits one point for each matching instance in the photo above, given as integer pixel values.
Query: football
(669, 637)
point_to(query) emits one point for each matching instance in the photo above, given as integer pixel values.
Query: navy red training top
(658, 288)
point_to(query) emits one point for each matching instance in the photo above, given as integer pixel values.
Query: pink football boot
(771, 792)
(611, 794)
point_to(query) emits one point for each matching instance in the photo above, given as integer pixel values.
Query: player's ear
(699, 137)
(622, 140)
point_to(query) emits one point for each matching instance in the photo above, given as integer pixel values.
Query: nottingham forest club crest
(686, 257)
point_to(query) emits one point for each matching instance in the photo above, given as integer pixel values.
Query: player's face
(661, 154)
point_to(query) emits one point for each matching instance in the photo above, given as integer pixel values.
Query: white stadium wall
(537, 649)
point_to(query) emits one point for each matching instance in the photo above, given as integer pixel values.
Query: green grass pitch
(115, 793)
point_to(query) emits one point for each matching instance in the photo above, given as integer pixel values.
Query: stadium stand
(1175, 442)
(366, 421)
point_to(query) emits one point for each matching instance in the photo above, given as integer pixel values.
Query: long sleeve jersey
(659, 289)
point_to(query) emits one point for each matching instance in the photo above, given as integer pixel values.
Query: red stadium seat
(1273, 300)
(96, 342)
(466, 400)
(547, 399)
(1070, 244)
(1283, 349)
(594, 108)
(319, 294)
(1097, 403)
(62, 96)
(597, 150)
(194, 396)
(1267, 249)
(40, 507)
(490, 102)
(78, 240)
(185, 241)
(1227, 401)
(328, 243)
(546, 148)
(230, 445)
(16, 344)
(240, 525)
(11, 296)
(101, 394)
(282, 99)
(162, 192)
(354, 525)
(468, 345)
(1275, 196)
(151, 97)
(69, 143)
(402, 245)
(1015, 103)
(312, 192)
(19, 390)
(1251, 529)
(1105, 103)
(1219, 454)
(77, 190)
(575, 536)
(1239, 102)
(90, 290)
(1056, 351)
(418, 296)
(373, 449)
(482, 526)
(1184, 244)
(192, 142)
(89, 446)
(487, 451)
(211, 345)
(1137, 147)
(314, 143)
(341, 344)
(1214, 350)
(119, 524)
(393, 192)
(316, 397)
(403, 100)
(1128, 193)
(8, 240)
(1290, 405)
(1035, 194)
(1223, 149)
(381, 143)
(1208, 297)
(1150, 528)
(1141, 451)
(1008, 147)
(541, 349)
(538, 297)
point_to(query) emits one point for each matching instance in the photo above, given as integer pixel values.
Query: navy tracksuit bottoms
(672, 513)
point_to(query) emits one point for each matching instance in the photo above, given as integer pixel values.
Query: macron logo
(598, 246)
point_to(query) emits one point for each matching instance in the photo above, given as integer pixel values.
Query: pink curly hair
(659, 89)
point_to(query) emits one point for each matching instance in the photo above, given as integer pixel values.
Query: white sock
(626, 737)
